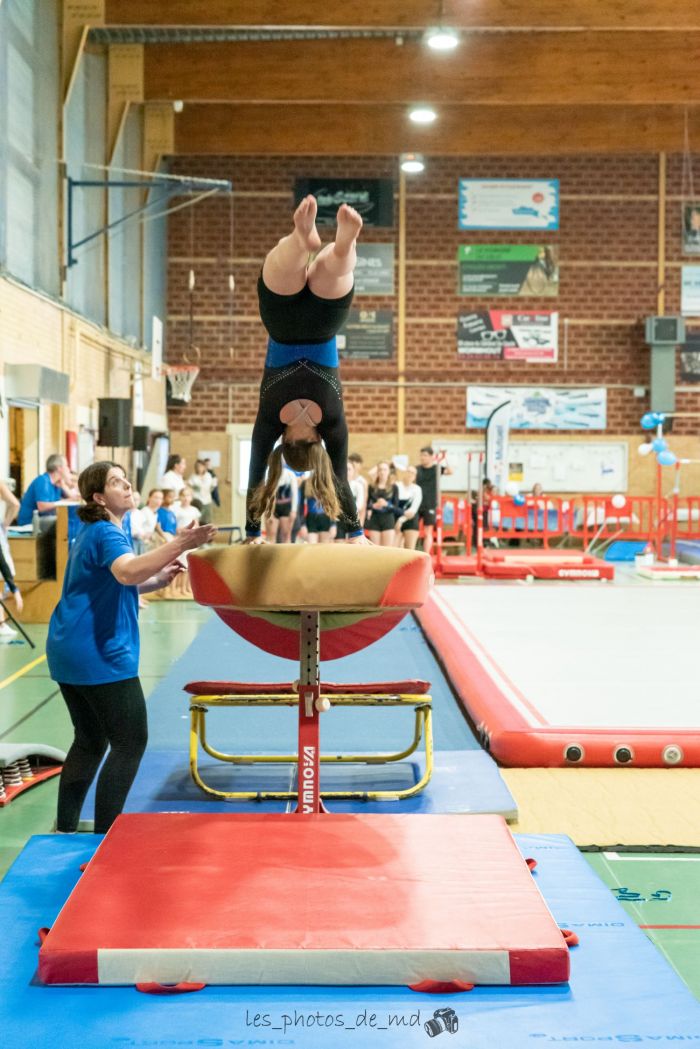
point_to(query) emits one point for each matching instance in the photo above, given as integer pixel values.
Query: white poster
(497, 429)
(504, 203)
(540, 408)
(690, 291)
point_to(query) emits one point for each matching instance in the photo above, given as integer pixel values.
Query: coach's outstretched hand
(196, 535)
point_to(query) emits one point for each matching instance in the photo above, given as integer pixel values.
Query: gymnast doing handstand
(303, 307)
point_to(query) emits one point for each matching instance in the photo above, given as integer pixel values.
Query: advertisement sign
(497, 429)
(528, 335)
(690, 358)
(690, 291)
(508, 269)
(691, 228)
(374, 271)
(373, 198)
(367, 335)
(504, 203)
(539, 407)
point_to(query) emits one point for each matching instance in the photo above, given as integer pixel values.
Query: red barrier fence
(593, 521)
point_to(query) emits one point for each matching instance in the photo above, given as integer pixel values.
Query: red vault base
(322, 899)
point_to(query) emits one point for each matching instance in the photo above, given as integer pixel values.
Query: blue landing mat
(621, 988)
(219, 654)
(462, 781)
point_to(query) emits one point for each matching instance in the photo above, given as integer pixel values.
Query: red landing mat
(328, 899)
(545, 564)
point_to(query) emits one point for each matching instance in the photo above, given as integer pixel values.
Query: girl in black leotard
(301, 400)
(382, 506)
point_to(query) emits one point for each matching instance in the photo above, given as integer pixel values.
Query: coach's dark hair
(91, 481)
(428, 450)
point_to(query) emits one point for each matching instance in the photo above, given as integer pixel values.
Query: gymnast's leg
(285, 267)
(330, 275)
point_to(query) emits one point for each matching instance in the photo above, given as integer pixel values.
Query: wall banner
(367, 335)
(504, 203)
(528, 335)
(374, 272)
(372, 197)
(691, 227)
(508, 269)
(690, 358)
(690, 291)
(539, 408)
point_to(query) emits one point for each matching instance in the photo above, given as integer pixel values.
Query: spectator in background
(174, 476)
(358, 487)
(382, 506)
(215, 493)
(428, 475)
(203, 484)
(537, 490)
(318, 523)
(357, 461)
(280, 523)
(167, 521)
(150, 529)
(185, 512)
(10, 505)
(410, 496)
(47, 490)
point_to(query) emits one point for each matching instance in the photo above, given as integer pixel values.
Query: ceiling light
(412, 163)
(442, 39)
(422, 115)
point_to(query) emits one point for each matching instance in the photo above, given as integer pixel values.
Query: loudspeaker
(139, 439)
(114, 422)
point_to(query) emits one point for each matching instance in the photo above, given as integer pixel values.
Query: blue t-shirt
(167, 520)
(93, 634)
(41, 490)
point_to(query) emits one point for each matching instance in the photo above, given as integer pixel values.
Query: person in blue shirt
(93, 645)
(46, 490)
(167, 520)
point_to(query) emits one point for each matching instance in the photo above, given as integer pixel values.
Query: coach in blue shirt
(45, 490)
(93, 645)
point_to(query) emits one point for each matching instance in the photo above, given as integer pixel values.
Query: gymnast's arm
(265, 434)
(336, 438)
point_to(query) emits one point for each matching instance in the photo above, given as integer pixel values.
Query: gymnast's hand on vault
(360, 540)
(254, 540)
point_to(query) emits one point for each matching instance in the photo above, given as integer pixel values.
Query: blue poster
(504, 203)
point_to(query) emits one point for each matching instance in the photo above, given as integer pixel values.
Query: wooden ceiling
(301, 76)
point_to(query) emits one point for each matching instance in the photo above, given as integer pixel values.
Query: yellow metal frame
(423, 728)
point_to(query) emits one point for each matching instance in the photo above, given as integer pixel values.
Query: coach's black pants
(111, 715)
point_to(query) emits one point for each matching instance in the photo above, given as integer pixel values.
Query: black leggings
(111, 715)
(302, 317)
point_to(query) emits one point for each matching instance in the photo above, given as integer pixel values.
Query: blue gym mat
(462, 781)
(219, 654)
(466, 779)
(621, 988)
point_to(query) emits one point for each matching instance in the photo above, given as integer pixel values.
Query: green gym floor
(660, 890)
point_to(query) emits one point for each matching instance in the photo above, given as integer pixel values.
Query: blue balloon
(666, 458)
(659, 444)
(519, 500)
(659, 418)
(648, 421)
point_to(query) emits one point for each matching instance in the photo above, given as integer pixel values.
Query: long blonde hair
(299, 456)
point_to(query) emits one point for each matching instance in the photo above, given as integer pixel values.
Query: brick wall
(608, 257)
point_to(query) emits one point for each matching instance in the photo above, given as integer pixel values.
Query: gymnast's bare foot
(349, 226)
(305, 224)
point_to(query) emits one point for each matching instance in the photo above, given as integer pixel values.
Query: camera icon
(443, 1020)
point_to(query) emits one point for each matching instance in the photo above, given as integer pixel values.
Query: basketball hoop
(181, 380)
